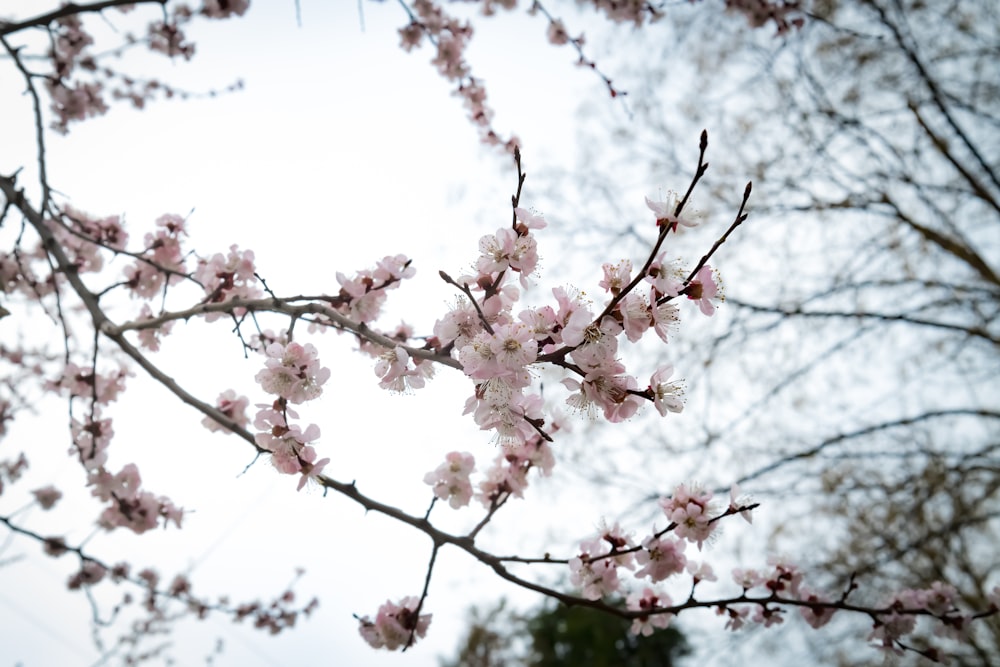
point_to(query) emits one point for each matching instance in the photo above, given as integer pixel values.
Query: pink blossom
(573, 317)
(90, 441)
(665, 318)
(451, 479)
(612, 393)
(508, 475)
(541, 322)
(291, 453)
(534, 451)
(395, 625)
(557, 33)
(665, 212)
(82, 101)
(616, 276)
(940, 598)
(499, 404)
(648, 600)
(393, 367)
(666, 279)
(529, 219)
(124, 485)
(128, 505)
(703, 288)
(90, 573)
(737, 616)
(661, 558)
(595, 570)
(231, 405)
(748, 578)
(364, 299)
(311, 468)
(47, 496)
(83, 382)
(786, 15)
(460, 324)
(391, 269)
(785, 578)
(149, 337)
(163, 253)
(738, 500)
(293, 372)
(700, 571)
(228, 277)
(289, 446)
(597, 347)
(513, 346)
(507, 249)
(410, 36)
(503, 478)
(768, 616)
(449, 60)
(635, 316)
(816, 616)
(596, 578)
(688, 508)
(167, 38)
(892, 627)
(478, 359)
(666, 395)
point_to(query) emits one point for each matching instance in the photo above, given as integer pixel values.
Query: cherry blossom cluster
(362, 296)
(78, 79)
(162, 261)
(292, 373)
(397, 374)
(451, 36)
(231, 405)
(558, 35)
(227, 277)
(127, 504)
(497, 349)
(154, 610)
(940, 600)
(450, 480)
(596, 569)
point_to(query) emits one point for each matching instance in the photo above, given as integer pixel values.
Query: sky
(339, 149)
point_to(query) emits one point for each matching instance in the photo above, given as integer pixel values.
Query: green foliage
(559, 636)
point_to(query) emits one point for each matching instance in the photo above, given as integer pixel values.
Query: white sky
(340, 149)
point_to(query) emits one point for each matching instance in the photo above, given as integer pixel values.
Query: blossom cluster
(396, 625)
(128, 505)
(162, 261)
(363, 295)
(450, 480)
(596, 569)
(227, 277)
(498, 349)
(450, 37)
(77, 84)
(292, 373)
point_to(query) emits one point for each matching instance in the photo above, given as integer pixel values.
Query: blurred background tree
(554, 635)
(850, 379)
